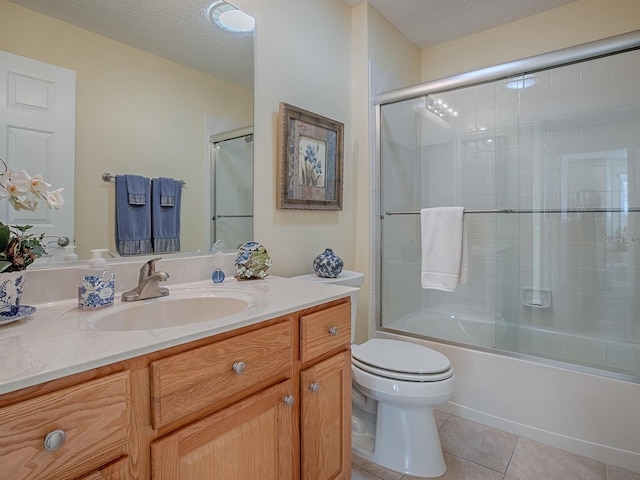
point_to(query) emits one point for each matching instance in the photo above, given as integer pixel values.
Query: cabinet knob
(239, 367)
(333, 331)
(314, 387)
(289, 400)
(54, 440)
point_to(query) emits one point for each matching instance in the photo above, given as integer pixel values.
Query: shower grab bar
(107, 177)
(509, 210)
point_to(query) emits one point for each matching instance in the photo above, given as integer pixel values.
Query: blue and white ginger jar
(328, 264)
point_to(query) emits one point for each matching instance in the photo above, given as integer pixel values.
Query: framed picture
(311, 160)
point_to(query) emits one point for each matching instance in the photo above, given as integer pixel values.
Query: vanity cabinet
(65, 434)
(325, 383)
(251, 439)
(269, 400)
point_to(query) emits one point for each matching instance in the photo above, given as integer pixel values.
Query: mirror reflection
(149, 112)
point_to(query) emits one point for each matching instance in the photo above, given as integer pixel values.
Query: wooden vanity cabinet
(269, 401)
(64, 434)
(325, 384)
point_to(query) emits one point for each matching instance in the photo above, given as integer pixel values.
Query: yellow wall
(575, 23)
(303, 58)
(135, 113)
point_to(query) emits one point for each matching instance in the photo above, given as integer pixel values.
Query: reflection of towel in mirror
(137, 189)
(444, 248)
(168, 188)
(165, 220)
(133, 222)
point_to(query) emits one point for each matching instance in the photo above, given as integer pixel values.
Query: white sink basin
(184, 308)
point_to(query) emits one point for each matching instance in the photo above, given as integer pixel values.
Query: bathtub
(560, 404)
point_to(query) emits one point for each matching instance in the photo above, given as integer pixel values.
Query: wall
(303, 58)
(131, 107)
(572, 24)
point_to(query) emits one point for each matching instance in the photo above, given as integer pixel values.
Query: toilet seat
(401, 361)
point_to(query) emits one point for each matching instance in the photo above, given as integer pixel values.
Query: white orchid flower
(19, 182)
(54, 198)
(38, 184)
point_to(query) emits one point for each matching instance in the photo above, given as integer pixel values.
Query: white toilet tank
(346, 278)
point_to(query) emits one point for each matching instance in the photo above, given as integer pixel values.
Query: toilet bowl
(395, 387)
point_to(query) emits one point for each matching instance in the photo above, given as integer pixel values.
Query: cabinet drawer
(94, 416)
(204, 379)
(323, 331)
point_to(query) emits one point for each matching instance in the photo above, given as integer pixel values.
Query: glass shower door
(233, 191)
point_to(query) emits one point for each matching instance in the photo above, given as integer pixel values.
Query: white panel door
(37, 134)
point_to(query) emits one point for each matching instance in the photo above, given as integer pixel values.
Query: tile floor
(473, 451)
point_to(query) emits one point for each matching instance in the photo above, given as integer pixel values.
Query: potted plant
(18, 247)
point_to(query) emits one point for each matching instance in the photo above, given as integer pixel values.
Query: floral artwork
(313, 153)
(312, 164)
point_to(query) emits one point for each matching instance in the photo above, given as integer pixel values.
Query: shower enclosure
(232, 196)
(544, 155)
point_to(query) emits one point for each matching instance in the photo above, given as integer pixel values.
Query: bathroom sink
(172, 311)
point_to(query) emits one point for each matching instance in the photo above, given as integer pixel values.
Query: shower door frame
(578, 53)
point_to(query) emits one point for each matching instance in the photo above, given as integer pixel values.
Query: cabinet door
(114, 471)
(250, 440)
(326, 419)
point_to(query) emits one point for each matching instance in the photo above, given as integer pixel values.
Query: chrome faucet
(148, 283)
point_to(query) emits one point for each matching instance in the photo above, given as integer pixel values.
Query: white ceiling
(179, 30)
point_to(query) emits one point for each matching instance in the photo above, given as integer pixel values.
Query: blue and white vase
(328, 264)
(11, 288)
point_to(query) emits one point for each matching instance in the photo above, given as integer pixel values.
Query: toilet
(395, 387)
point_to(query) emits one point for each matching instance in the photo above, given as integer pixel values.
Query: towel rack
(107, 177)
(509, 210)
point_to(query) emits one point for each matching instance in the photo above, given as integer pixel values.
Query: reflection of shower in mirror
(232, 187)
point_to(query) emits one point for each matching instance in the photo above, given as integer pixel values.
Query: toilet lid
(402, 360)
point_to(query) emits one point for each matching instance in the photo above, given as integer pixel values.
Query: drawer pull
(314, 387)
(54, 440)
(289, 400)
(239, 367)
(333, 331)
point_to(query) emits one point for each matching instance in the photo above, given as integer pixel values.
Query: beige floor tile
(440, 417)
(461, 469)
(374, 469)
(536, 461)
(359, 474)
(615, 473)
(478, 443)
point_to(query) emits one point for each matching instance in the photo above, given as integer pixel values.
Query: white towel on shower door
(444, 248)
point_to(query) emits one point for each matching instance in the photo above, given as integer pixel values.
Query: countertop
(59, 340)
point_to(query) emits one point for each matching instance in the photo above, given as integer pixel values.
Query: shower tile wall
(567, 139)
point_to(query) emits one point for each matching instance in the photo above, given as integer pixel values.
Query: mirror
(148, 109)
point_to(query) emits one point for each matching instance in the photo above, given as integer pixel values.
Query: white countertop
(59, 340)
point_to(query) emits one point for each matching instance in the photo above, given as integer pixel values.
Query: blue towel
(133, 222)
(137, 189)
(168, 188)
(165, 220)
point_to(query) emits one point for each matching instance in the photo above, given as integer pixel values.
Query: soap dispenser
(70, 254)
(97, 283)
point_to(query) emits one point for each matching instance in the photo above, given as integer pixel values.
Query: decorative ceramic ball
(328, 264)
(252, 261)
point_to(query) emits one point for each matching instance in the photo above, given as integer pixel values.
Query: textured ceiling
(429, 22)
(179, 30)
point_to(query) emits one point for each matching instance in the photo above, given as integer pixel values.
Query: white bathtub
(579, 411)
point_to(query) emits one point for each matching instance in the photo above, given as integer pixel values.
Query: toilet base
(418, 454)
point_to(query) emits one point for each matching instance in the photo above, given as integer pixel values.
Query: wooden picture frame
(311, 160)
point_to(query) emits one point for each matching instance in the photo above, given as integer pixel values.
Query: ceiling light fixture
(230, 18)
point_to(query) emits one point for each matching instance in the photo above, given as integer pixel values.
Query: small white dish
(24, 311)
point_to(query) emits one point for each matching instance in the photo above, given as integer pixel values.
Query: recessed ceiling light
(230, 18)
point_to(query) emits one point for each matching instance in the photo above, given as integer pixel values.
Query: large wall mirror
(155, 83)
